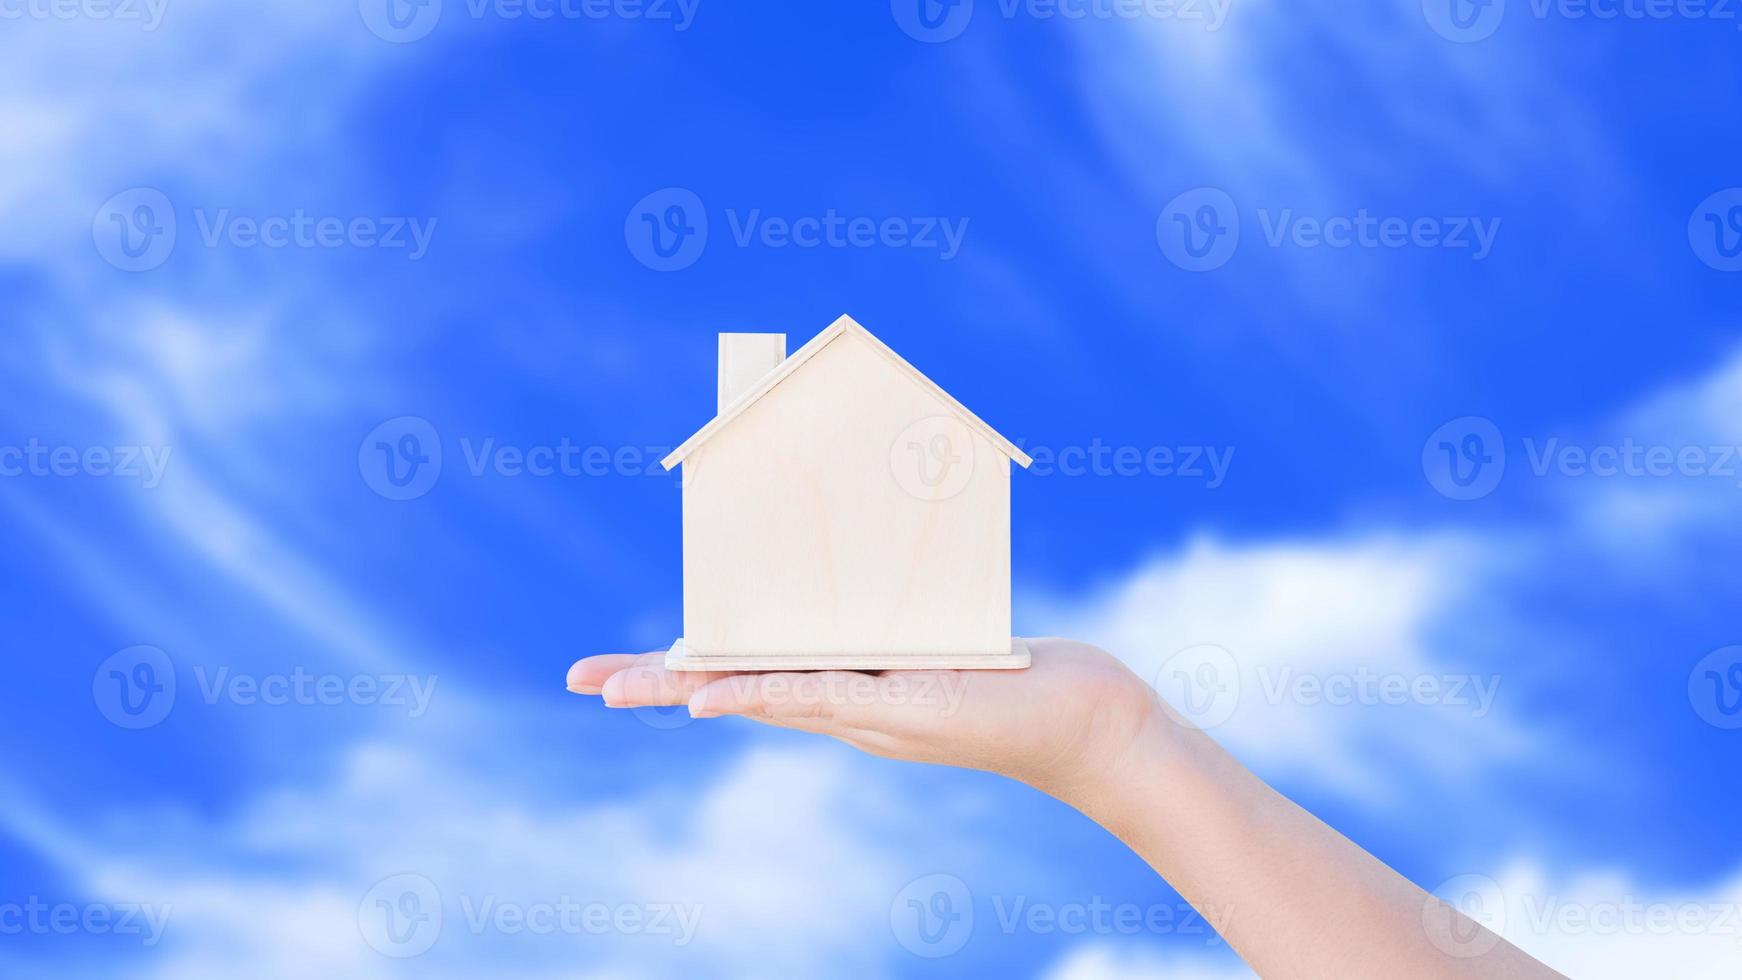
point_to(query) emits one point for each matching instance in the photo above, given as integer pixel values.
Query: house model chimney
(746, 358)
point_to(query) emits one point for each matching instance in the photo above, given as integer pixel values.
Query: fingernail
(613, 689)
(699, 705)
(583, 688)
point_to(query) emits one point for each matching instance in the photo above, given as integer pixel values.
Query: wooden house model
(842, 511)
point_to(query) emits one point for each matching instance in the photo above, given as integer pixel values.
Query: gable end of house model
(841, 510)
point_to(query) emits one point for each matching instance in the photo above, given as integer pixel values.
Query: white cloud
(1593, 924)
(1602, 924)
(775, 855)
(1353, 615)
(1428, 606)
(204, 98)
(1110, 961)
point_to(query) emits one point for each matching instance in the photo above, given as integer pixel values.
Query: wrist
(1128, 768)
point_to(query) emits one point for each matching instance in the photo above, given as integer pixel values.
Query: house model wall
(841, 510)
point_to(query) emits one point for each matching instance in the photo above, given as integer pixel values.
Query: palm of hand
(1070, 713)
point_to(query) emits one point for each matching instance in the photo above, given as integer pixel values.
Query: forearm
(1292, 896)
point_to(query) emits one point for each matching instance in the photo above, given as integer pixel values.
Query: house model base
(841, 511)
(679, 658)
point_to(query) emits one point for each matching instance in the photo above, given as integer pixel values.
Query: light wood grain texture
(745, 359)
(849, 515)
(842, 325)
(1016, 658)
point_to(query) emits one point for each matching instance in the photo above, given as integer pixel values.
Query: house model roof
(796, 361)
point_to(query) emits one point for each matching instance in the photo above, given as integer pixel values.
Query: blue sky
(1062, 153)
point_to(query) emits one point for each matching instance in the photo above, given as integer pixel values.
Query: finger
(588, 675)
(647, 683)
(835, 702)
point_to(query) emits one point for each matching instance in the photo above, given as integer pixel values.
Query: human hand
(1059, 725)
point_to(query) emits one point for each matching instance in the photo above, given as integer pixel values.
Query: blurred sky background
(1072, 154)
